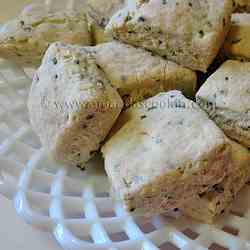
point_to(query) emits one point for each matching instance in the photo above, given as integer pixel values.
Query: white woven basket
(75, 206)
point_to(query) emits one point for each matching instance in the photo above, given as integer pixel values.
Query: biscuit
(225, 96)
(72, 105)
(241, 6)
(26, 38)
(189, 33)
(160, 154)
(137, 74)
(237, 44)
(206, 207)
(99, 13)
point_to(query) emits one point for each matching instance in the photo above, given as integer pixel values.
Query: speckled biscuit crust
(72, 105)
(160, 154)
(187, 32)
(241, 6)
(207, 206)
(137, 74)
(226, 98)
(26, 38)
(99, 13)
(237, 44)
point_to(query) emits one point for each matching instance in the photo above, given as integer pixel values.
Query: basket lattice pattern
(76, 206)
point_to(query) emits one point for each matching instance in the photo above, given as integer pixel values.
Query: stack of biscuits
(120, 77)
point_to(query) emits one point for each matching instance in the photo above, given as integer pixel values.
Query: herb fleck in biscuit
(187, 32)
(26, 38)
(72, 105)
(160, 154)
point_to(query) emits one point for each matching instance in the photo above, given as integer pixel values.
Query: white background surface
(16, 235)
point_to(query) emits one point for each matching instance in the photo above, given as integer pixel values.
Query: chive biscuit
(99, 12)
(225, 96)
(163, 152)
(137, 74)
(189, 33)
(241, 6)
(237, 44)
(208, 206)
(26, 38)
(72, 105)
